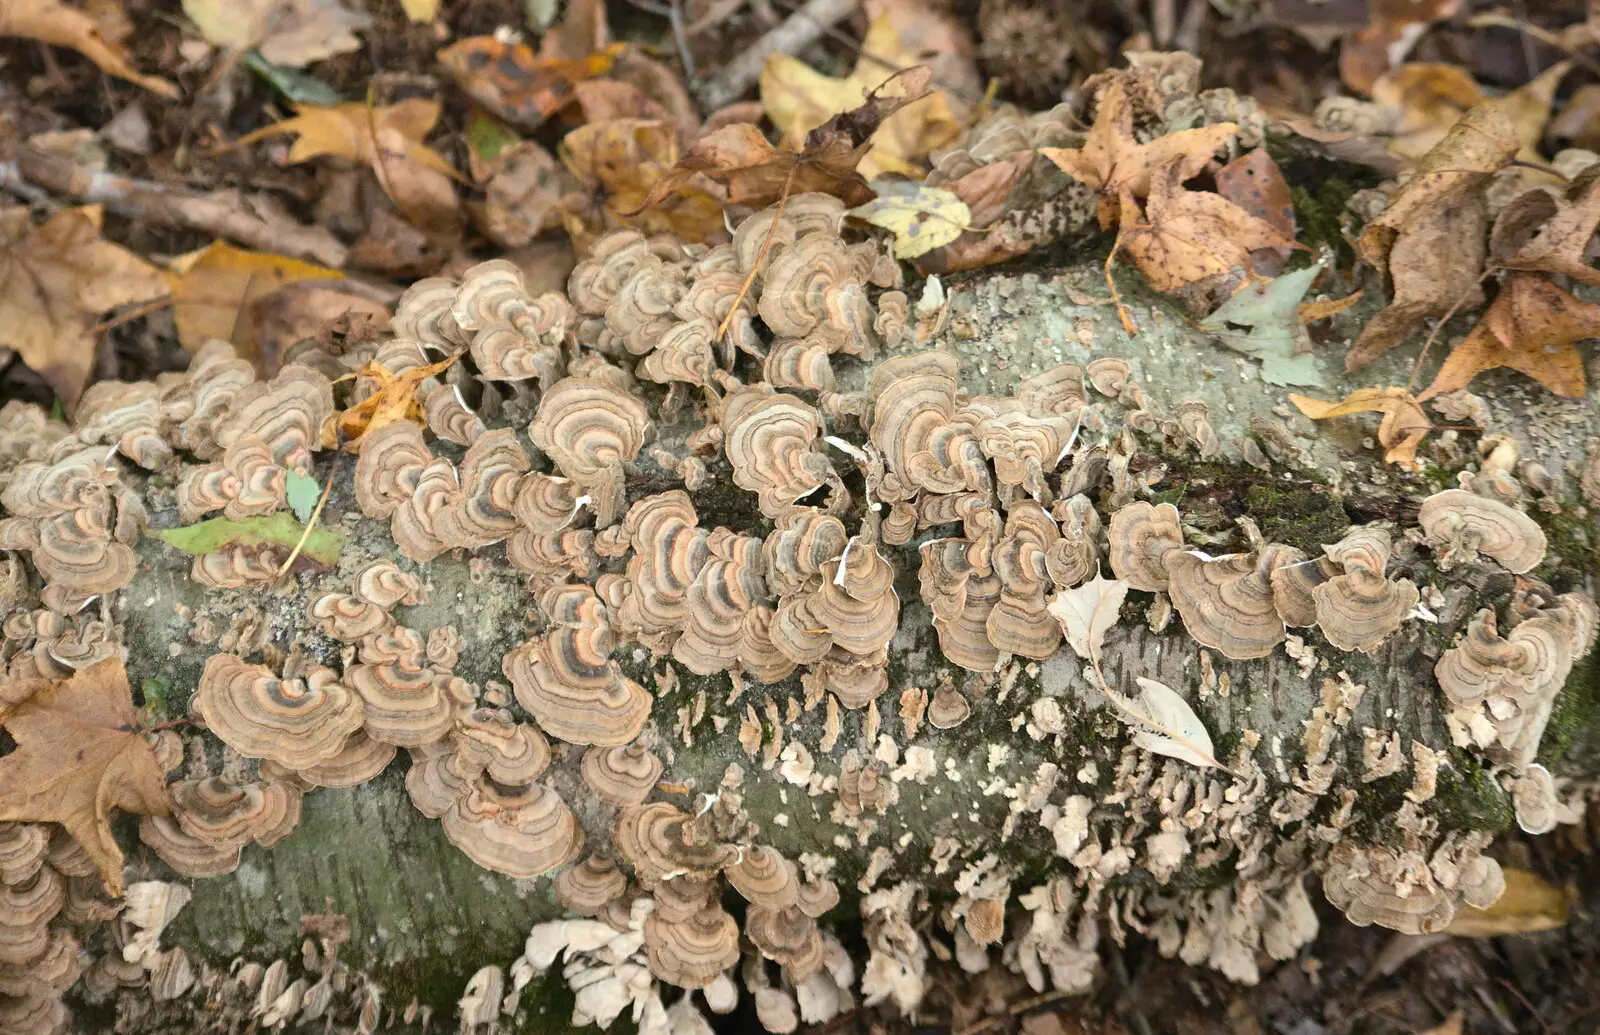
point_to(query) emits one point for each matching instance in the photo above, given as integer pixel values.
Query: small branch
(790, 36)
(221, 213)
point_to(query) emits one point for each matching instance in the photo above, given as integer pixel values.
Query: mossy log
(424, 917)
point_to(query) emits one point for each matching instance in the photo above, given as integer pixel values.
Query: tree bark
(424, 917)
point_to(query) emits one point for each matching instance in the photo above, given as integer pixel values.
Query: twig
(680, 36)
(894, 68)
(301, 545)
(224, 213)
(790, 36)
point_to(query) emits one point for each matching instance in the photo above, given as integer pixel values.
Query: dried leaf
(1533, 327)
(1112, 162)
(624, 162)
(756, 173)
(798, 99)
(1393, 26)
(1088, 612)
(390, 140)
(80, 754)
(514, 83)
(1254, 182)
(55, 279)
(420, 10)
(1561, 244)
(395, 399)
(1277, 334)
(50, 21)
(1168, 725)
(1190, 236)
(218, 287)
(1530, 903)
(921, 218)
(279, 529)
(291, 33)
(1451, 1025)
(1402, 429)
(1426, 99)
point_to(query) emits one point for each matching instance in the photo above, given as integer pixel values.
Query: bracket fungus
(294, 722)
(1462, 525)
(591, 428)
(1138, 539)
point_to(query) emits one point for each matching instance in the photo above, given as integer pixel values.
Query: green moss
(1469, 797)
(1573, 734)
(1211, 496)
(1319, 213)
(1574, 550)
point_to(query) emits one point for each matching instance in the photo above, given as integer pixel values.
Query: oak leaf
(799, 99)
(80, 754)
(50, 21)
(218, 288)
(1189, 236)
(1404, 423)
(1277, 334)
(389, 139)
(1113, 163)
(55, 279)
(1533, 327)
(292, 33)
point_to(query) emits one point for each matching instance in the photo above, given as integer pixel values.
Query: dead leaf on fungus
(80, 754)
(395, 399)
(55, 280)
(286, 32)
(50, 21)
(1430, 241)
(799, 99)
(1112, 162)
(1533, 327)
(621, 161)
(218, 283)
(389, 139)
(1187, 237)
(1402, 429)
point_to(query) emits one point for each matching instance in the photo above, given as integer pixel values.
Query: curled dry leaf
(218, 289)
(389, 139)
(1165, 724)
(51, 21)
(396, 399)
(1533, 327)
(1393, 26)
(798, 99)
(1189, 237)
(292, 33)
(1530, 903)
(1402, 429)
(1560, 244)
(519, 86)
(55, 279)
(80, 754)
(625, 163)
(1088, 612)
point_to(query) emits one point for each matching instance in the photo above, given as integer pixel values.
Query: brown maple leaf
(80, 754)
(1190, 236)
(55, 279)
(1532, 327)
(1113, 163)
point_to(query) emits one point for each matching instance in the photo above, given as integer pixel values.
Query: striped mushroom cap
(1226, 602)
(621, 775)
(522, 832)
(691, 952)
(590, 428)
(660, 842)
(227, 813)
(294, 722)
(1140, 536)
(768, 438)
(567, 679)
(589, 886)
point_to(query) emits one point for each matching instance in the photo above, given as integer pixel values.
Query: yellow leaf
(286, 32)
(921, 218)
(395, 399)
(55, 280)
(1530, 903)
(798, 99)
(421, 10)
(389, 139)
(50, 21)
(218, 285)
(1404, 424)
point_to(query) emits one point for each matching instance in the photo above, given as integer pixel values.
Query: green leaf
(303, 492)
(921, 218)
(280, 529)
(487, 136)
(1271, 311)
(294, 84)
